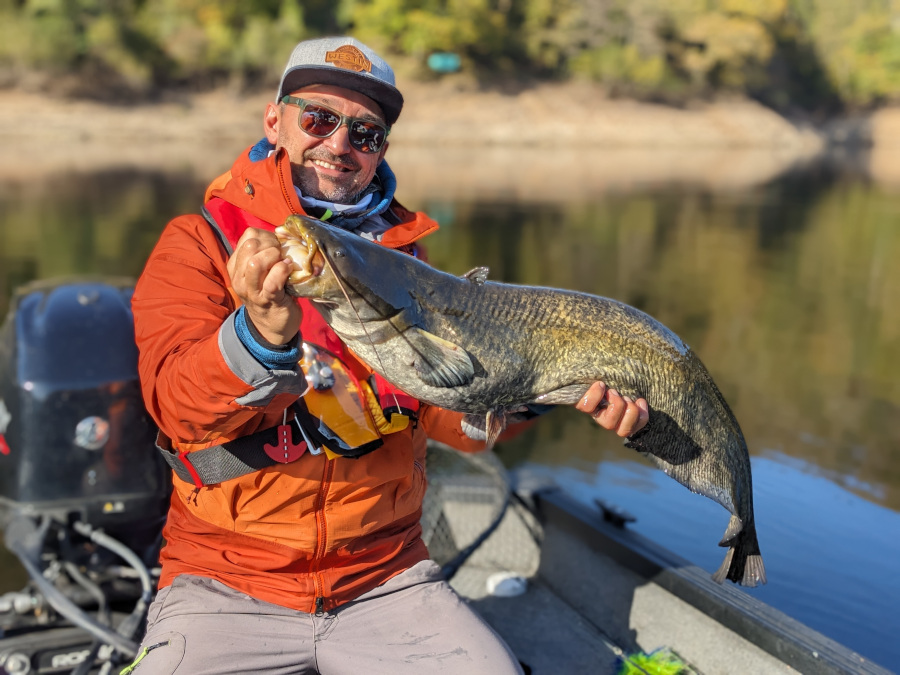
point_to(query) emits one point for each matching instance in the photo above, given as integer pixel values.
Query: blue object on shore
(444, 62)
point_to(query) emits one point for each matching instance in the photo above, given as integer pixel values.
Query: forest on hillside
(812, 56)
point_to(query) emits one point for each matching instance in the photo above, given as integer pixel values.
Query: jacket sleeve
(200, 383)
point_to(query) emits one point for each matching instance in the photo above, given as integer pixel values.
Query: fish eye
(339, 253)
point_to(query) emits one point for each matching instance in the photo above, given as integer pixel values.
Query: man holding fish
(293, 542)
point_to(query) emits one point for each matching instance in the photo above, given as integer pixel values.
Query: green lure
(662, 661)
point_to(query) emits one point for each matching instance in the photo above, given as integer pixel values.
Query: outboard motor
(83, 491)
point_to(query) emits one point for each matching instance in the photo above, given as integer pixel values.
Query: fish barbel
(486, 348)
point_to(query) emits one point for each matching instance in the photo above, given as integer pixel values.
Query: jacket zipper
(284, 191)
(321, 534)
(321, 528)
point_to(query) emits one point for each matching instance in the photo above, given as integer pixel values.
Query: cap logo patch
(349, 57)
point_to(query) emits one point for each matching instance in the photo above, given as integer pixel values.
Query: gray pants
(414, 623)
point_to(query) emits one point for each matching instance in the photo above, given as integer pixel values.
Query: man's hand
(613, 411)
(258, 273)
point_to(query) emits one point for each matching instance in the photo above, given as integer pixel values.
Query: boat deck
(580, 607)
(596, 590)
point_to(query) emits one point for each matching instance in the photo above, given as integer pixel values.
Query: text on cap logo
(349, 57)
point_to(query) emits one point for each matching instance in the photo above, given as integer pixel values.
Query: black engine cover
(75, 433)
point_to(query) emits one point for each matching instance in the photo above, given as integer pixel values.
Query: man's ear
(272, 122)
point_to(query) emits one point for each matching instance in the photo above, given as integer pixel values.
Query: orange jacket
(311, 534)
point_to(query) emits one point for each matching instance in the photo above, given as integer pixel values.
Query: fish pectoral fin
(440, 363)
(473, 426)
(568, 395)
(485, 428)
(494, 424)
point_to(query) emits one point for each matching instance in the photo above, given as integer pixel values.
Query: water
(785, 284)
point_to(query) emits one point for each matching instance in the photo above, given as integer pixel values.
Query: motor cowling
(75, 438)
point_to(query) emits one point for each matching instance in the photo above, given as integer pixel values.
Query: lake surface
(785, 282)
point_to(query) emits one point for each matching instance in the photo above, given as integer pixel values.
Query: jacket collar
(263, 187)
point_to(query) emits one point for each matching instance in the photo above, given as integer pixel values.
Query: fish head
(309, 275)
(340, 270)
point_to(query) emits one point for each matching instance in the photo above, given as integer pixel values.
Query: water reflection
(783, 283)
(96, 223)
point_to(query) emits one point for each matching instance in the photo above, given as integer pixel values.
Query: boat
(569, 586)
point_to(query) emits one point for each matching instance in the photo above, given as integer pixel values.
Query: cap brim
(387, 97)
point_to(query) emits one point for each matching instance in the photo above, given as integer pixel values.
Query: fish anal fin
(440, 363)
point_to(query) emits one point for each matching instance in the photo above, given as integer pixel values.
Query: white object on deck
(506, 584)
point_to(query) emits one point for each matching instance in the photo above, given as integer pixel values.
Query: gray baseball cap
(343, 62)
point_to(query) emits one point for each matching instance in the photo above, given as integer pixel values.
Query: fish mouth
(297, 245)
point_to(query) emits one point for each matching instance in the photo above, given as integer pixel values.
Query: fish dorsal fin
(440, 363)
(477, 275)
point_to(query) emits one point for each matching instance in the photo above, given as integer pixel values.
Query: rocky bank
(549, 138)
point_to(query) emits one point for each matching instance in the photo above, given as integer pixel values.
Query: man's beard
(311, 184)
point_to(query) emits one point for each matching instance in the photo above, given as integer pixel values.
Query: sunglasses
(317, 120)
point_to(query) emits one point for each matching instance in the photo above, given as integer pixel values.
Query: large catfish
(487, 348)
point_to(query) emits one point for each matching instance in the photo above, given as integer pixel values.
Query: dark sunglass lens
(366, 137)
(318, 121)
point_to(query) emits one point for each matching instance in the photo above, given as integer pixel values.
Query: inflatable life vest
(347, 409)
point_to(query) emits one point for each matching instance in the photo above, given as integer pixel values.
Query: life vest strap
(233, 459)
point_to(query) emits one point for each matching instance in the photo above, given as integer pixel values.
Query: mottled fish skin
(482, 346)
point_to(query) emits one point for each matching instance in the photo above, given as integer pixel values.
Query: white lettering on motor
(70, 659)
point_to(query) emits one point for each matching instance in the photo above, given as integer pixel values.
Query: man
(292, 542)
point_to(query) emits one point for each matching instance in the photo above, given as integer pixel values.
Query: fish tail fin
(743, 563)
(754, 572)
(722, 572)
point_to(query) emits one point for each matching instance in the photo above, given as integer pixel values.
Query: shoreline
(513, 141)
